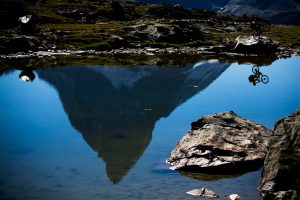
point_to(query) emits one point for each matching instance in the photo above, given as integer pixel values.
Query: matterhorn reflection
(116, 108)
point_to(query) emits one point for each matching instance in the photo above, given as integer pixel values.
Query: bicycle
(257, 76)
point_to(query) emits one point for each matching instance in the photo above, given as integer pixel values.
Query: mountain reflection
(115, 109)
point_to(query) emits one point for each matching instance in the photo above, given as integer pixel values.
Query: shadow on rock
(209, 177)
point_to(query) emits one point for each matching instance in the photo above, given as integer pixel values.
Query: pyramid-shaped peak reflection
(116, 118)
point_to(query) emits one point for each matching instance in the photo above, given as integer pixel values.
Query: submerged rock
(281, 176)
(221, 143)
(203, 192)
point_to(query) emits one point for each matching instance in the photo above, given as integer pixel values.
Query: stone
(255, 45)
(22, 44)
(25, 19)
(280, 178)
(234, 197)
(117, 42)
(223, 143)
(203, 192)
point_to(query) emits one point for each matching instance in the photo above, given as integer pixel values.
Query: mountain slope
(205, 4)
(278, 11)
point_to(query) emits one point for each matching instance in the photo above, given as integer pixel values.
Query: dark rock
(221, 143)
(21, 44)
(117, 42)
(118, 11)
(84, 14)
(281, 176)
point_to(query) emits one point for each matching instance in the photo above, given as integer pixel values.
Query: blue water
(99, 132)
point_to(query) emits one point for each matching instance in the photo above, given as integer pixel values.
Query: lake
(99, 132)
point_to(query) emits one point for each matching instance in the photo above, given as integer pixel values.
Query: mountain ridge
(279, 11)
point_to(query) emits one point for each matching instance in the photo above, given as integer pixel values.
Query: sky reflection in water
(104, 133)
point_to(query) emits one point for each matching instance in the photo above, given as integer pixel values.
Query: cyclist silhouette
(257, 76)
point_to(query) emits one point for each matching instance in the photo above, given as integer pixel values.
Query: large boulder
(281, 175)
(221, 143)
(21, 44)
(255, 45)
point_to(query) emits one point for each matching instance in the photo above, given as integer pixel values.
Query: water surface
(99, 132)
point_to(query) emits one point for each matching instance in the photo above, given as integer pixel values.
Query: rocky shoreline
(246, 46)
(45, 29)
(283, 52)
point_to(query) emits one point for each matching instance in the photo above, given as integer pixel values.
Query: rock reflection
(27, 75)
(209, 177)
(115, 109)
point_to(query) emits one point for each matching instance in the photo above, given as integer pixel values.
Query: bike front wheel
(264, 79)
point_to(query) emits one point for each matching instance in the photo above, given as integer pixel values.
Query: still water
(99, 132)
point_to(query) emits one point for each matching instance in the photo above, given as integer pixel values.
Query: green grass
(285, 35)
(66, 32)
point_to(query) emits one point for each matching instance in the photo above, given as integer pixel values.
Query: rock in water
(234, 197)
(281, 175)
(221, 143)
(203, 192)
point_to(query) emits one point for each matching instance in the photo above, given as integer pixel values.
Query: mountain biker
(253, 25)
(254, 78)
(256, 27)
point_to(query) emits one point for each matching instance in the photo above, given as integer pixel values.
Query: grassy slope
(56, 23)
